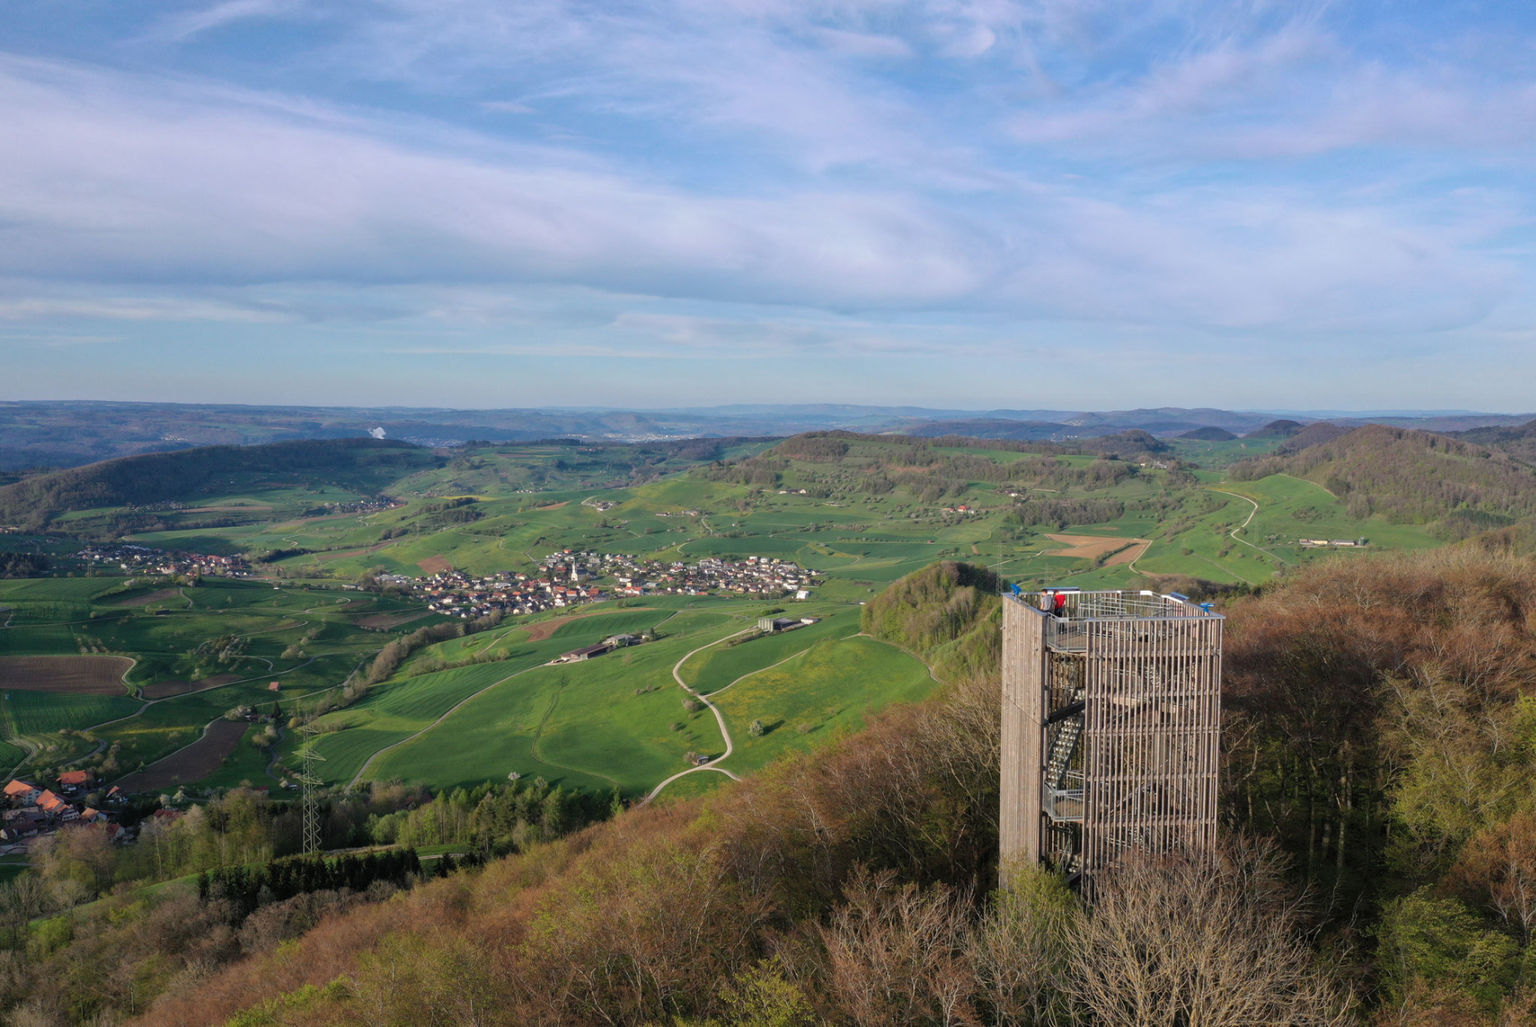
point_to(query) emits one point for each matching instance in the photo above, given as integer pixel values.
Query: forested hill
(1519, 441)
(161, 477)
(1412, 476)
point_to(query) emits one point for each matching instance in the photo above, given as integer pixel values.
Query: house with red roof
(74, 778)
(26, 791)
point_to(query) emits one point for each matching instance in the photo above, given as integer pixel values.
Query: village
(35, 812)
(570, 578)
(130, 556)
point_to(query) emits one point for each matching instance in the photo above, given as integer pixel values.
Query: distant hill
(1410, 476)
(1313, 435)
(1519, 441)
(993, 428)
(1209, 434)
(366, 464)
(1282, 429)
(1123, 444)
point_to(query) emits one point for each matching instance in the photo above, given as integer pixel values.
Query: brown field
(390, 621)
(435, 565)
(553, 506)
(354, 552)
(82, 675)
(192, 763)
(1091, 547)
(157, 596)
(1130, 555)
(545, 628)
(166, 689)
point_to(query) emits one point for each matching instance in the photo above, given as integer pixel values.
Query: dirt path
(1246, 521)
(719, 719)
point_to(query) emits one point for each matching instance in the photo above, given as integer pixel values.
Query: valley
(253, 601)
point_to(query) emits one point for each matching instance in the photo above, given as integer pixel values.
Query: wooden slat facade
(1151, 721)
(1024, 676)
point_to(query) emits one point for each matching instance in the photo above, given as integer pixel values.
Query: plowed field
(81, 675)
(193, 763)
(165, 689)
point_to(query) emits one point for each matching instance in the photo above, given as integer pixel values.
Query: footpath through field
(719, 719)
(1248, 520)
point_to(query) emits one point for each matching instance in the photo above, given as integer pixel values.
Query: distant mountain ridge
(71, 433)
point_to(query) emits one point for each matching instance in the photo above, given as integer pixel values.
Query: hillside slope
(160, 477)
(1387, 747)
(1411, 476)
(1519, 441)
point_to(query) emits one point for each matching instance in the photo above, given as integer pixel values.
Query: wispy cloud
(738, 178)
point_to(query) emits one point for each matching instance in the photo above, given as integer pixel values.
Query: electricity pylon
(311, 782)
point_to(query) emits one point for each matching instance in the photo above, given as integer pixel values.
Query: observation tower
(1111, 726)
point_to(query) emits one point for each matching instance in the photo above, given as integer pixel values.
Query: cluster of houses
(569, 578)
(33, 811)
(456, 594)
(1332, 543)
(131, 557)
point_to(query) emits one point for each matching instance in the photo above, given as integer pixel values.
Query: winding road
(719, 719)
(1246, 522)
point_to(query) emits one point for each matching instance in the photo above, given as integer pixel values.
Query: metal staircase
(1063, 792)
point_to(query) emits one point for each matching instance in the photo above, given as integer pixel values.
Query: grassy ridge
(829, 688)
(716, 668)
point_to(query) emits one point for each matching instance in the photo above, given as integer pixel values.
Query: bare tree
(896, 954)
(1210, 940)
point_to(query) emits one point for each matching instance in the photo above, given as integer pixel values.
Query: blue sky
(961, 203)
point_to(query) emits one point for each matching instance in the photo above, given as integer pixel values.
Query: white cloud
(119, 181)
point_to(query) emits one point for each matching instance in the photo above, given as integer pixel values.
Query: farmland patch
(192, 763)
(435, 565)
(1091, 547)
(390, 621)
(82, 675)
(166, 689)
(159, 595)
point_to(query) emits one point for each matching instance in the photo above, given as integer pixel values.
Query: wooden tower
(1111, 726)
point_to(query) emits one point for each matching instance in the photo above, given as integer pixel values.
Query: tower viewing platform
(1111, 725)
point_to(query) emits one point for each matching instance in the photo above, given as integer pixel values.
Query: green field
(883, 508)
(717, 667)
(803, 701)
(41, 713)
(600, 723)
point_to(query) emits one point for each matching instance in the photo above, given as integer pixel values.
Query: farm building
(577, 655)
(1111, 726)
(775, 625)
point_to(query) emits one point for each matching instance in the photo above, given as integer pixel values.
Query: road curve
(719, 719)
(1246, 522)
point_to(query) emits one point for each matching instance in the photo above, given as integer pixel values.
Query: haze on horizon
(946, 203)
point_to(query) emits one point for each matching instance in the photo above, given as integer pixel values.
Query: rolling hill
(360, 464)
(1518, 441)
(1410, 476)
